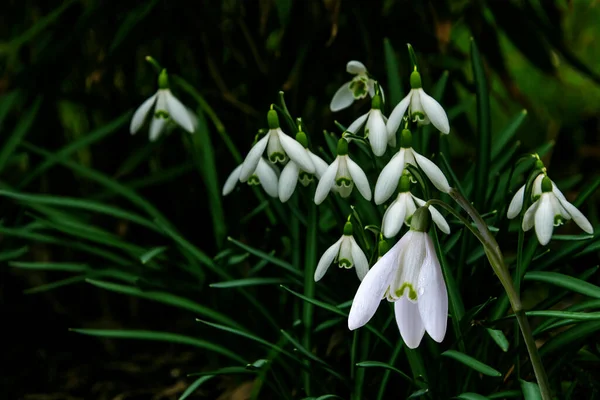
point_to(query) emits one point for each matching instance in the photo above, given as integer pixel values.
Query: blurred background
(71, 74)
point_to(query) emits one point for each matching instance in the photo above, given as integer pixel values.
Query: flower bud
(302, 139)
(415, 80)
(163, 80)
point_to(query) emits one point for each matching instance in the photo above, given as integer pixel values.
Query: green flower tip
(546, 185)
(163, 80)
(415, 80)
(406, 139)
(404, 185)
(273, 119)
(342, 147)
(348, 229)
(421, 220)
(539, 164)
(383, 247)
(376, 102)
(302, 139)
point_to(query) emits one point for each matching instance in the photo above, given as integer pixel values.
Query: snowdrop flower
(346, 253)
(390, 174)
(264, 175)
(409, 275)
(166, 108)
(375, 129)
(341, 176)
(549, 209)
(421, 107)
(292, 173)
(402, 209)
(279, 148)
(356, 89)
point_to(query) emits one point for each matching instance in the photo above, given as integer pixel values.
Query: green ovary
(412, 293)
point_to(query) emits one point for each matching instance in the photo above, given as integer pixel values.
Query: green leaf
(247, 282)
(162, 337)
(378, 364)
(25, 123)
(471, 396)
(261, 254)
(393, 74)
(483, 151)
(150, 254)
(472, 363)
(13, 253)
(570, 337)
(564, 281)
(133, 18)
(508, 134)
(531, 391)
(499, 338)
(195, 385)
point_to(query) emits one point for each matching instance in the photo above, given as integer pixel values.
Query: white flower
(341, 176)
(356, 89)
(549, 209)
(402, 209)
(409, 275)
(422, 109)
(375, 128)
(292, 173)
(279, 148)
(166, 108)
(346, 253)
(387, 182)
(264, 175)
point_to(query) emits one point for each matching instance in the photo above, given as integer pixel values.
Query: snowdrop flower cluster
(549, 208)
(167, 108)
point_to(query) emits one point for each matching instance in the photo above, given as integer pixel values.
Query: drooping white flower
(388, 179)
(549, 209)
(279, 148)
(402, 209)
(421, 107)
(166, 108)
(375, 129)
(346, 253)
(341, 176)
(409, 275)
(292, 173)
(265, 175)
(356, 89)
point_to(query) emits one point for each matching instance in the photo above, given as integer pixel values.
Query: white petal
(373, 287)
(288, 181)
(343, 98)
(140, 114)
(516, 204)
(157, 126)
(394, 216)
(178, 112)
(193, 117)
(371, 87)
(254, 155)
(377, 132)
(358, 123)
(387, 182)
(326, 259)
(356, 67)
(435, 112)
(536, 189)
(320, 165)
(437, 217)
(544, 219)
(395, 118)
(359, 178)
(232, 180)
(267, 177)
(529, 217)
(433, 296)
(409, 322)
(296, 152)
(433, 172)
(326, 182)
(361, 264)
(577, 216)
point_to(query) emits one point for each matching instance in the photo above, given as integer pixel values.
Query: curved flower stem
(494, 255)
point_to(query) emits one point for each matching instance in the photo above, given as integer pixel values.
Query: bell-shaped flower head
(356, 89)
(346, 253)
(410, 276)
(166, 108)
(265, 175)
(422, 108)
(342, 175)
(375, 129)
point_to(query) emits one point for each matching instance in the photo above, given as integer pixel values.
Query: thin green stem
(309, 286)
(496, 259)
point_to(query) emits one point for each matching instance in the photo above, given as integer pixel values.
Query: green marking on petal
(418, 116)
(161, 114)
(276, 157)
(412, 293)
(253, 180)
(305, 178)
(345, 263)
(343, 182)
(359, 87)
(558, 220)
